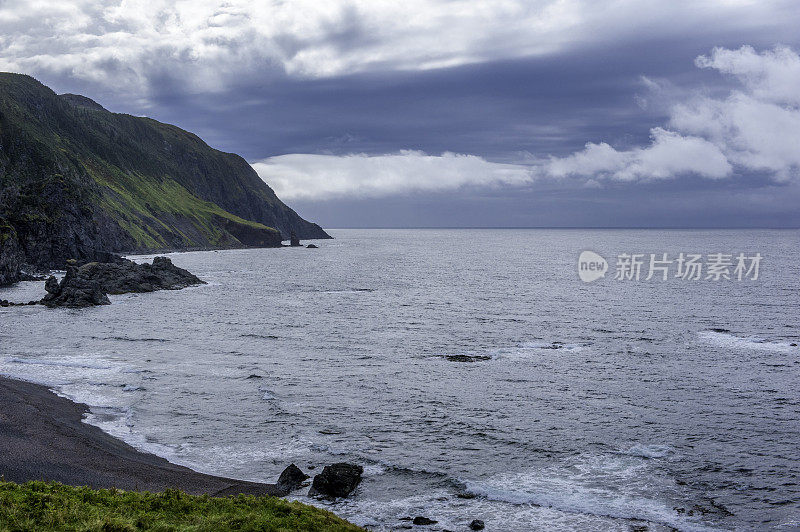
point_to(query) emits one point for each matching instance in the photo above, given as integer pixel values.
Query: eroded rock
(89, 284)
(337, 480)
(291, 478)
(74, 291)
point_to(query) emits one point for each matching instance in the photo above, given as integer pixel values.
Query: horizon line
(575, 227)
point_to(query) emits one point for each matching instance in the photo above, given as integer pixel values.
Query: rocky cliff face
(77, 181)
(11, 256)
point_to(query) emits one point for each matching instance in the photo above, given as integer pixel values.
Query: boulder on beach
(337, 480)
(291, 479)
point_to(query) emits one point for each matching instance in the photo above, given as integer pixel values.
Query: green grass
(137, 202)
(52, 506)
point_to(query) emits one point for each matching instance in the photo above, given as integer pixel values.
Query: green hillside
(77, 180)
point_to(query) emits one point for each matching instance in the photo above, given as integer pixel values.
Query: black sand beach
(42, 437)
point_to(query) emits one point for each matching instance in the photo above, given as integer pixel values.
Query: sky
(457, 113)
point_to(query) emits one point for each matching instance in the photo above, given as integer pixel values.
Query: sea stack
(293, 240)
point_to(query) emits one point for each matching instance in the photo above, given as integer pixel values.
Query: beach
(43, 437)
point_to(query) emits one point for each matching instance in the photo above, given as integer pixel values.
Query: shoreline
(43, 437)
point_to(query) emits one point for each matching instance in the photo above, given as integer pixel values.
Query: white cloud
(756, 128)
(207, 44)
(753, 129)
(773, 75)
(309, 176)
(668, 155)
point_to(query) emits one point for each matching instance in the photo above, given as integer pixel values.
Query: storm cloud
(755, 128)
(372, 113)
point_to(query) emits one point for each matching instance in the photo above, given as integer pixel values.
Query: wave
(539, 348)
(595, 492)
(650, 451)
(727, 339)
(129, 339)
(60, 363)
(520, 351)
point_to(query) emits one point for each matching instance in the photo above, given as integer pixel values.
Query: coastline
(43, 437)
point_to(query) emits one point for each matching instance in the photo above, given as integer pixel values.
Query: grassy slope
(51, 506)
(148, 177)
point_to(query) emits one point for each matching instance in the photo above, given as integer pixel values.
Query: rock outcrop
(128, 276)
(90, 284)
(74, 291)
(291, 478)
(11, 255)
(337, 480)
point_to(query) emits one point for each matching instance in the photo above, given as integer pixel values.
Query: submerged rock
(337, 480)
(291, 479)
(477, 524)
(420, 520)
(467, 358)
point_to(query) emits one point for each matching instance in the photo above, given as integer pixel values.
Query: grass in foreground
(53, 506)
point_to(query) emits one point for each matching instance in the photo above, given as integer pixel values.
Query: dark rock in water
(337, 480)
(719, 330)
(75, 291)
(88, 284)
(419, 520)
(125, 277)
(51, 285)
(254, 376)
(312, 246)
(291, 479)
(293, 240)
(467, 358)
(477, 524)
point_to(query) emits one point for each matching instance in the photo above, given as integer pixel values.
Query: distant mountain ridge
(78, 181)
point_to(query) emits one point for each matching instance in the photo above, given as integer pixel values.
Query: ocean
(472, 373)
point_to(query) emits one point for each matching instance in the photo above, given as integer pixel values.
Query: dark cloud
(503, 110)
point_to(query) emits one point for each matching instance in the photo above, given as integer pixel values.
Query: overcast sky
(371, 113)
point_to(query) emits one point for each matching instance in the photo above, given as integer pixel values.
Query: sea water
(471, 372)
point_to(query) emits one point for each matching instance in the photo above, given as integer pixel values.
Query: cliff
(78, 181)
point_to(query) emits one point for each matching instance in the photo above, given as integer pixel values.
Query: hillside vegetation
(77, 180)
(54, 507)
